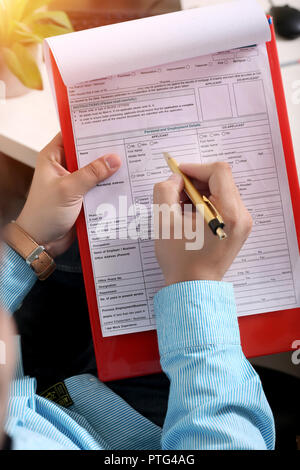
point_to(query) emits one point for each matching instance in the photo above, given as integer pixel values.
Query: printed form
(211, 108)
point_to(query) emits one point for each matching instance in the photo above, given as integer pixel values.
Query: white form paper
(133, 45)
(216, 107)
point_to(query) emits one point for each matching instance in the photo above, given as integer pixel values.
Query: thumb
(81, 181)
(168, 192)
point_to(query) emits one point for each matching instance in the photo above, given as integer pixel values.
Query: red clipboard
(137, 354)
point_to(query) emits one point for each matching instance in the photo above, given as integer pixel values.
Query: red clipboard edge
(260, 334)
(275, 332)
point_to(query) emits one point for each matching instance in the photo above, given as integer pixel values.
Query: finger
(58, 140)
(224, 193)
(184, 197)
(62, 244)
(169, 191)
(81, 181)
(54, 151)
(203, 172)
(217, 175)
(202, 187)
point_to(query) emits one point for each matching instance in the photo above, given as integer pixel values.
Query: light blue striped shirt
(216, 399)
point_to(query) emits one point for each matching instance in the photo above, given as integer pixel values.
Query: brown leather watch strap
(34, 255)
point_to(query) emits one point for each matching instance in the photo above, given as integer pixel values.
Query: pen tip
(166, 156)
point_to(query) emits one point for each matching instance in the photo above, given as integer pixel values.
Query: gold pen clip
(213, 209)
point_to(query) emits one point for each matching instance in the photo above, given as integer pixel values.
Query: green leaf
(21, 63)
(48, 30)
(10, 11)
(59, 18)
(26, 38)
(24, 34)
(17, 8)
(2, 25)
(33, 5)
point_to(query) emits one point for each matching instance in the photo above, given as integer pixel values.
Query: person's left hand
(56, 195)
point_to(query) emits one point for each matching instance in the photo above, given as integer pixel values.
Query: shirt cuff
(194, 314)
(16, 279)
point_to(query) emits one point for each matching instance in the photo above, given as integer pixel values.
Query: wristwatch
(34, 255)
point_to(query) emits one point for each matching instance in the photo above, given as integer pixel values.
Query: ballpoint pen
(211, 215)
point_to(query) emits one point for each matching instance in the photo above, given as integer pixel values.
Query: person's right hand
(214, 259)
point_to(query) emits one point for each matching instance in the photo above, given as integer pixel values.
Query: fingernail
(112, 162)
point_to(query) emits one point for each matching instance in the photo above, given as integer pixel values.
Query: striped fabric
(220, 403)
(216, 399)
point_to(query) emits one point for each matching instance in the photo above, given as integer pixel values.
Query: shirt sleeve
(216, 398)
(16, 279)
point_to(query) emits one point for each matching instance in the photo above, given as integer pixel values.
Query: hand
(214, 259)
(56, 195)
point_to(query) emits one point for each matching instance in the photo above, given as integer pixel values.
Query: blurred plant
(24, 23)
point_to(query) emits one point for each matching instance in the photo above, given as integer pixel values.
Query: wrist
(29, 227)
(36, 235)
(33, 253)
(192, 275)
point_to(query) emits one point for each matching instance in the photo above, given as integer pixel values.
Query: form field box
(250, 98)
(246, 52)
(215, 102)
(227, 55)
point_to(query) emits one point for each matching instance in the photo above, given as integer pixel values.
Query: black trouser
(57, 343)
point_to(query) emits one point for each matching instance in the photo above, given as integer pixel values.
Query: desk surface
(29, 122)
